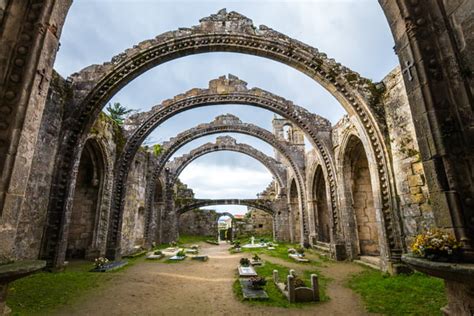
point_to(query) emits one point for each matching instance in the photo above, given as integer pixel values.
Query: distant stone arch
(229, 123)
(264, 205)
(227, 143)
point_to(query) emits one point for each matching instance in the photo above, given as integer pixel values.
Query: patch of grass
(281, 252)
(415, 294)
(191, 239)
(43, 292)
(276, 298)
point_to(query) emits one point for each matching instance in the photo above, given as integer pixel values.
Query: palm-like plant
(118, 112)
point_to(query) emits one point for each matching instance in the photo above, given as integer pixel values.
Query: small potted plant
(257, 282)
(256, 260)
(437, 245)
(244, 262)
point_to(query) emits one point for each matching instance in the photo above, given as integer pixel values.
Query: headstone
(247, 271)
(177, 258)
(298, 258)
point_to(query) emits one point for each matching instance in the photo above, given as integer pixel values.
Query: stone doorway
(321, 217)
(86, 203)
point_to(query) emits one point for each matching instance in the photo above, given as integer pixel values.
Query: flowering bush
(100, 262)
(435, 244)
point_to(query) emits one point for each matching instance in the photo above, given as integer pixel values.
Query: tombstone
(247, 271)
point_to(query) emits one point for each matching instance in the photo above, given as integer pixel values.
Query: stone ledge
(459, 272)
(12, 271)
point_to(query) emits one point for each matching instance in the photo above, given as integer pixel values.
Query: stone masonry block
(415, 180)
(417, 168)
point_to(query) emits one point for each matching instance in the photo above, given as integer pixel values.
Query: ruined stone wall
(199, 223)
(133, 224)
(261, 222)
(413, 199)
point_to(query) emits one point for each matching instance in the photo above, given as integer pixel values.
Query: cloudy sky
(354, 32)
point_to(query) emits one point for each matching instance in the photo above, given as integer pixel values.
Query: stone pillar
(441, 102)
(29, 40)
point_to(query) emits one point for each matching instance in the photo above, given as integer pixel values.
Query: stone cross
(407, 69)
(42, 74)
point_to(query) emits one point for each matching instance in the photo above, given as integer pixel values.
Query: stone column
(29, 40)
(441, 102)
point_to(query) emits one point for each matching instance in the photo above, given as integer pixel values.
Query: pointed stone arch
(358, 202)
(321, 208)
(228, 123)
(223, 31)
(91, 202)
(227, 143)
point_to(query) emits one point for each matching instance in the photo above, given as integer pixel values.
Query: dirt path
(197, 288)
(343, 300)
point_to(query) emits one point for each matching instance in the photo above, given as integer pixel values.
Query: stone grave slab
(200, 258)
(170, 251)
(250, 293)
(247, 271)
(177, 258)
(110, 266)
(191, 251)
(298, 258)
(152, 256)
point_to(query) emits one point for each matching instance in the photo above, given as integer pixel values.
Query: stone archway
(229, 123)
(322, 219)
(359, 199)
(232, 124)
(261, 204)
(223, 143)
(227, 143)
(95, 85)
